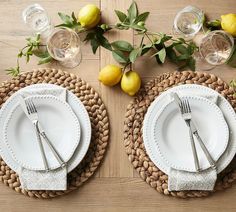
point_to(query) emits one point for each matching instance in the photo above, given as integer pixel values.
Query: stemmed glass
(37, 19)
(64, 46)
(216, 47)
(188, 22)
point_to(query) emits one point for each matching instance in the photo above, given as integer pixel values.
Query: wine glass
(37, 19)
(188, 22)
(64, 46)
(216, 47)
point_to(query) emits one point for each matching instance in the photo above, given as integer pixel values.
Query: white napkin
(42, 180)
(179, 180)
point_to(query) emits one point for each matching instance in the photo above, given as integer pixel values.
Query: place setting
(50, 140)
(183, 136)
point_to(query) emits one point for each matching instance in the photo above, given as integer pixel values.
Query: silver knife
(205, 150)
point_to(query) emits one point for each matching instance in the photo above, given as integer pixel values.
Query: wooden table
(115, 186)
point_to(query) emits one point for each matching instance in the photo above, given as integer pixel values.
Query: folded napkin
(42, 180)
(179, 180)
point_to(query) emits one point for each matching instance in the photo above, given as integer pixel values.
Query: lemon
(110, 75)
(130, 82)
(228, 23)
(89, 16)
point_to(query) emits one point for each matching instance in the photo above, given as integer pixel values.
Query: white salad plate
(61, 127)
(188, 90)
(171, 134)
(76, 106)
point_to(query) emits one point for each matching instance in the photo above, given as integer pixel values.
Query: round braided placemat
(133, 130)
(99, 123)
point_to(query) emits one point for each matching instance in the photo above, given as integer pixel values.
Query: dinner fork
(31, 107)
(186, 114)
(34, 119)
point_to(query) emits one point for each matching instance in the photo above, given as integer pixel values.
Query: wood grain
(115, 187)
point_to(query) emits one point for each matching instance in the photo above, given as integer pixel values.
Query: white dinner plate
(77, 107)
(60, 124)
(171, 133)
(194, 90)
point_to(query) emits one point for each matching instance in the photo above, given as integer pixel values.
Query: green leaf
(103, 42)
(45, 60)
(66, 18)
(20, 54)
(89, 36)
(41, 54)
(13, 71)
(65, 25)
(171, 54)
(119, 56)
(183, 57)
(214, 24)
(74, 18)
(161, 54)
(94, 44)
(191, 49)
(132, 12)
(134, 54)
(165, 38)
(191, 63)
(142, 17)
(181, 49)
(122, 45)
(122, 17)
(146, 48)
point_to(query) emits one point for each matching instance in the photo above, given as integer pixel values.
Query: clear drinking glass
(216, 47)
(188, 22)
(37, 19)
(64, 46)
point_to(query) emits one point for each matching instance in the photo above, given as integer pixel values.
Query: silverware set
(31, 112)
(185, 110)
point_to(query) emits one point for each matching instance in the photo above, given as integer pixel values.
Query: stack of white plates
(166, 136)
(66, 123)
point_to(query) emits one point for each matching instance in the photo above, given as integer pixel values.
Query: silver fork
(34, 118)
(43, 134)
(186, 114)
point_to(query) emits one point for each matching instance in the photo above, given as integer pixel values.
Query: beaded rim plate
(223, 104)
(171, 133)
(59, 122)
(79, 111)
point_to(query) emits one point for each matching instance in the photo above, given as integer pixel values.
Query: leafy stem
(32, 48)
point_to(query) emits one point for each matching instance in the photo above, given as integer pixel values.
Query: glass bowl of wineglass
(64, 45)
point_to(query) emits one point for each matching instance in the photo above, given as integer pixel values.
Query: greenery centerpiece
(159, 45)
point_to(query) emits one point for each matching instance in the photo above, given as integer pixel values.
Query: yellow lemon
(110, 75)
(228, 23)
(130, 82)
(89, 16)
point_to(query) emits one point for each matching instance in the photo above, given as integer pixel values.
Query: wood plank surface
(115, 186)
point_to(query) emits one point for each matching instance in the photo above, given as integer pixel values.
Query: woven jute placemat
(99, 123)
(133, 130)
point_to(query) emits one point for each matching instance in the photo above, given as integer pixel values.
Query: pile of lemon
(111, 75)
